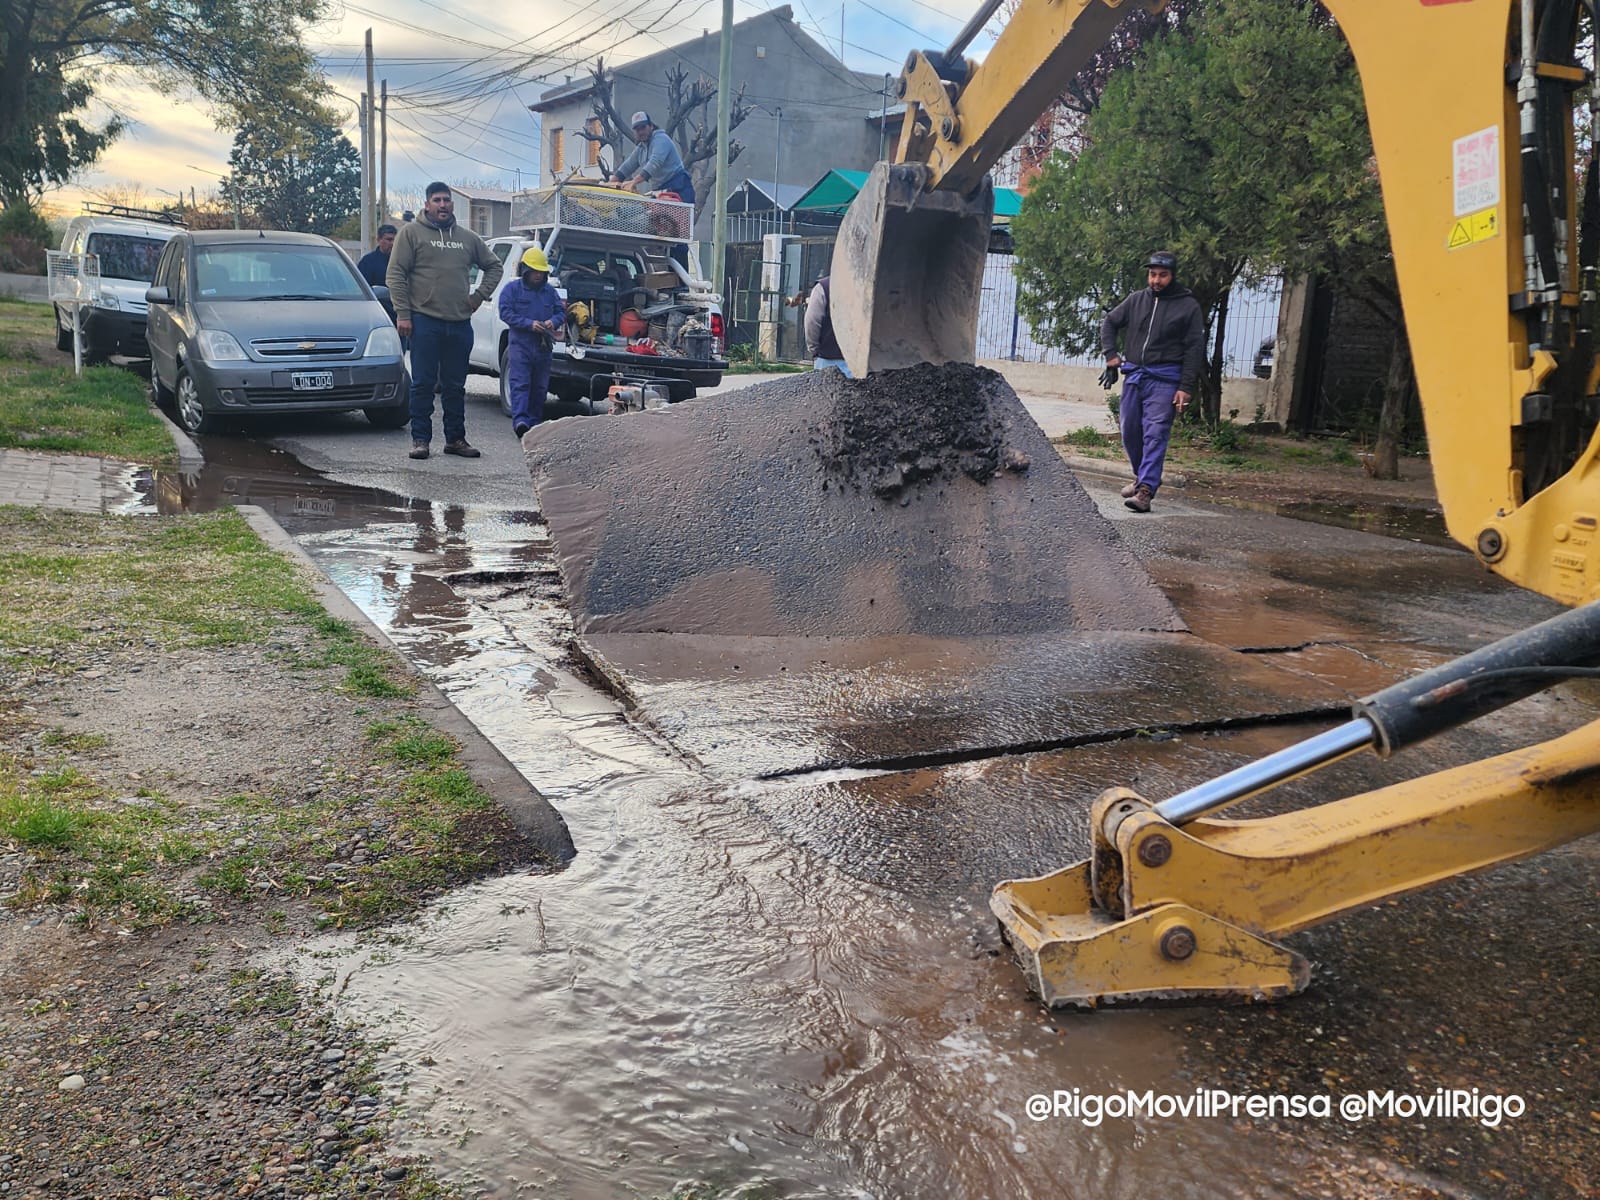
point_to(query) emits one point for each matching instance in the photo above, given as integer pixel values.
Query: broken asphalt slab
(821, 572)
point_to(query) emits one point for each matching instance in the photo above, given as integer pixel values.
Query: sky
(461, 77)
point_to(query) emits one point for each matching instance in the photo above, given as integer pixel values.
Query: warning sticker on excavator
(1477, 171)
(1475, 228)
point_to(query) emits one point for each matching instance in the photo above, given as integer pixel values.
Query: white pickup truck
(651, 321)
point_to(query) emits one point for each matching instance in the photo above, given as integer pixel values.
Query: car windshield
(274, 272)
(125, 257)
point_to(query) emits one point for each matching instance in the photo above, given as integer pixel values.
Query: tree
(246, 59)
(59, 142)
(1061, 125)
(689, 122)
(305, 178)
(1240, 141)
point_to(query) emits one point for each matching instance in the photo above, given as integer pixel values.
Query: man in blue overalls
(533, 312)
(1166, 348)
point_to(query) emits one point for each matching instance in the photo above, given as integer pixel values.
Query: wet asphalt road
(1488, 982)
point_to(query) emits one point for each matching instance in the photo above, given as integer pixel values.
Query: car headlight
(383, 343)
(106, 302)
(217, 345)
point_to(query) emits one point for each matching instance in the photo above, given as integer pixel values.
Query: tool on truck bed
(1471, 108)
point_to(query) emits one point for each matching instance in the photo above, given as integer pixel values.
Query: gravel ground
(224, 802)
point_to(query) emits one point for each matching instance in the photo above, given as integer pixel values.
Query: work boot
(520, 431)
(1140, 500)
(1129, 491)
(460, 448)
(419, 449)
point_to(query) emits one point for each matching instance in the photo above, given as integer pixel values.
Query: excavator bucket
(908, 271)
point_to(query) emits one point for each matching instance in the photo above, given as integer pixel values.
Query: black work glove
(1108, 378)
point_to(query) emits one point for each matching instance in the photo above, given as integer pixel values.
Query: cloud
(460, 80)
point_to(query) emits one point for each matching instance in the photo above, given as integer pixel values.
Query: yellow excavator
(1471, 104)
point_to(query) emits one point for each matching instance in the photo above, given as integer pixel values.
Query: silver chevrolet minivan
(253, 322)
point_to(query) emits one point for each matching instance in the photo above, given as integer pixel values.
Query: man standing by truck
(429, 272)
(1166, 349)
(532, 311)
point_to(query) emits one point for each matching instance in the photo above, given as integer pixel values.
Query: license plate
(313, 381)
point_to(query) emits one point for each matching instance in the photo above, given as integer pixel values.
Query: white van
(128, 243)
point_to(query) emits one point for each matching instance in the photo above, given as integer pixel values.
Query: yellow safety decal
(1474, 228)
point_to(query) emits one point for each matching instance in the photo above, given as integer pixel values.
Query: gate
(763, 279)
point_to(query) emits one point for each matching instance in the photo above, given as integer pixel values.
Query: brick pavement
(34, 480)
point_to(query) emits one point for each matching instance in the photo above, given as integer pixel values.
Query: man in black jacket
(821, 343)
(1165, 340)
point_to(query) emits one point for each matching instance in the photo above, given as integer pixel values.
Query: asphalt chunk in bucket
(921, 501)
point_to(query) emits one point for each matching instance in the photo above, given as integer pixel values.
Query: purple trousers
(528, 381)
(1146, 410)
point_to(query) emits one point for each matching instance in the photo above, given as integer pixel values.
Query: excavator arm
(1471, 105)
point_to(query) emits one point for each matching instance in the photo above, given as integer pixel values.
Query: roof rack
(153, 215)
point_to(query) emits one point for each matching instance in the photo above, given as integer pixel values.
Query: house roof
(835, 190)
(481, 193)
(578, 88)
(766, 193)
(573, 89)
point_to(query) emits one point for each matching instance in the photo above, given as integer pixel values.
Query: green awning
(835, 190)
(832, 193)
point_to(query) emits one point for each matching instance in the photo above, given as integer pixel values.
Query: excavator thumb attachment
(908, 271)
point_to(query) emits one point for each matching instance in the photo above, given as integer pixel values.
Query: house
(759, 206)
(809, 111)
(485, 211)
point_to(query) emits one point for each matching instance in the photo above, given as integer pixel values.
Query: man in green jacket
(429, 270)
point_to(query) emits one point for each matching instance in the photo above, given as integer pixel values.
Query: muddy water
(703, 1003)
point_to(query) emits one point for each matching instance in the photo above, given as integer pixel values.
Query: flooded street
(766, 976)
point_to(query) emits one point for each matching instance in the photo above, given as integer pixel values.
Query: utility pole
(370, 196)
(238, 218)
(719, 239)
(383, 153)
(366, 158)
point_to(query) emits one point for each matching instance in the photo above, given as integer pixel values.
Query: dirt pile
(919, 425)
(923, 501)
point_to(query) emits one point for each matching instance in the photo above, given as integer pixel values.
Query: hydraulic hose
(1564, 647)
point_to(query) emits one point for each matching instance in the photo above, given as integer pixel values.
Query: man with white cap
(655, 164)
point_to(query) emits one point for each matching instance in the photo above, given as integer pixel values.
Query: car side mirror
(381, 292)
(157, 295)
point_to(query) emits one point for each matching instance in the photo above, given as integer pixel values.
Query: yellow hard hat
(533, 259)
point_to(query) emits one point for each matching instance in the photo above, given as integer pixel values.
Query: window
(123, 256)
(480, 219)
(166, 269)
(558, 160)
(275, 272)
(594, 127)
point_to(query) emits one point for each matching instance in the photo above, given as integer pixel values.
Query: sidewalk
(30, 479)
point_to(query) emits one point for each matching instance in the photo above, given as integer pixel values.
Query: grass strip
(43, 406)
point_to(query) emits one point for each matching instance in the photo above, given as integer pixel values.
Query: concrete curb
(533, 815)
(190, 460)
(1113, 472)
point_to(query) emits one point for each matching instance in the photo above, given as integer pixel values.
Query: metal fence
(1003, 332)
(758, 288)
(755, 288)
